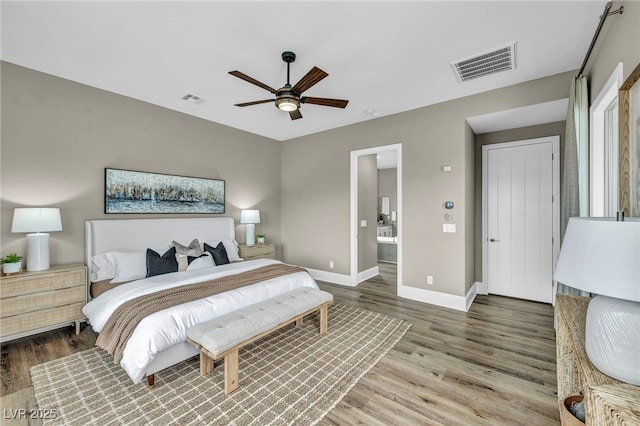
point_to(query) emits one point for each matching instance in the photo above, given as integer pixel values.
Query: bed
(159, 340)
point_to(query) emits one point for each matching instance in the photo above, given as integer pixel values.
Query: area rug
(293, 376)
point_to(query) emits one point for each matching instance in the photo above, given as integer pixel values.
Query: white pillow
(131, 264)
(102, 268)
(204, 261)
(231, 247)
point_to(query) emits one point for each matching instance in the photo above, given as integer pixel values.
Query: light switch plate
(363, 223)
(448, 227)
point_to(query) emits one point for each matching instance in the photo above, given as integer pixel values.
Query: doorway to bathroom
(376, 214)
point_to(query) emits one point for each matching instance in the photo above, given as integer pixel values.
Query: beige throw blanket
(125, 318)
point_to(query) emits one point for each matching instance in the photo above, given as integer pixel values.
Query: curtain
(575, 176)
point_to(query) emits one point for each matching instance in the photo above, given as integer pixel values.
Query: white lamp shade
(36, 219)
(601, 256)
(250, 216)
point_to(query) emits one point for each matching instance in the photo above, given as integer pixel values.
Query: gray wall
(58, 136)
(367, 210)
(315, 174)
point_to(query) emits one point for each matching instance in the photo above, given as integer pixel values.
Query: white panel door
(520, 221)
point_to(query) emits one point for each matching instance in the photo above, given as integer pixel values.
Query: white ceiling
(385, 56)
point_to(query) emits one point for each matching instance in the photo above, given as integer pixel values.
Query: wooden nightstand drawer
(60, 315)
(43, 300)
(32, 283)
(258, 251)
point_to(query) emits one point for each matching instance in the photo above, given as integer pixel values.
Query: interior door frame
(555, 147)
(354, 208)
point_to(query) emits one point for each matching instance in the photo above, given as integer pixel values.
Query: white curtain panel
(575, 176)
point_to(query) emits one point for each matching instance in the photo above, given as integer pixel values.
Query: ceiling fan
(289, 98)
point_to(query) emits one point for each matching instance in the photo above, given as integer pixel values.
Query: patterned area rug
(293, 376)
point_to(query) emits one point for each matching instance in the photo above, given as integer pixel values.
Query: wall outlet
(363, 223)
(331, 264)
(429, 279)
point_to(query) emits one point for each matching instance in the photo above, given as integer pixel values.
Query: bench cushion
(227, 331)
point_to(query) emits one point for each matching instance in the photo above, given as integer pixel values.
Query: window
(604, 148)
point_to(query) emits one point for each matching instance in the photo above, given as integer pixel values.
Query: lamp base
(250, 234)
(612, 337)
(37, 251)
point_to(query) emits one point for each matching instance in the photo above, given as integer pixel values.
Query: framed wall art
(128, 191)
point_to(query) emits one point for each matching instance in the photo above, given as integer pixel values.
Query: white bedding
(168, 327)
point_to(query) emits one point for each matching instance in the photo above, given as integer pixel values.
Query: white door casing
(397, 148)
(521, 217)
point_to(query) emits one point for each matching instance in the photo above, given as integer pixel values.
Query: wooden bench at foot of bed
(223, 337)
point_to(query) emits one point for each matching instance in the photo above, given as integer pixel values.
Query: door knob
(493, 240)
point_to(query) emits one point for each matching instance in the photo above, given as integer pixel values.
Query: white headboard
(102, 236)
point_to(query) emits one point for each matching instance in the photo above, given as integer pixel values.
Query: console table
(607, 401)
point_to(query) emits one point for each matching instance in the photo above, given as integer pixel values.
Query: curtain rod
(603, 17)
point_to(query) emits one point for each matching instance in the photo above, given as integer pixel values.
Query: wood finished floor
(494, 365)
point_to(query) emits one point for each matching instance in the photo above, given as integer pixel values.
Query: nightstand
(258, 251)
(33, 302)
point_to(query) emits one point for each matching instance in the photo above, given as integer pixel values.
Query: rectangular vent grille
(194, 99)
(497, 60)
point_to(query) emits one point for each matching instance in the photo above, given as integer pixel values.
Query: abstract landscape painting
(129, 191)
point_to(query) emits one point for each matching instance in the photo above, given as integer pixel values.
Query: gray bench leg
(231, 372)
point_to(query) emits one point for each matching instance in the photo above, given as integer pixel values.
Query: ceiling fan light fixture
(287, 104)
(288, 98)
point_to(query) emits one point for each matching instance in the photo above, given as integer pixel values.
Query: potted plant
(260, 238)
(11, 263)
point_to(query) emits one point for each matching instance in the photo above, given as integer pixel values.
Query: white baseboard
(471, 295)
(481, 288)
(368, 273)
(330, 277)
(342, 279)
(459, 303)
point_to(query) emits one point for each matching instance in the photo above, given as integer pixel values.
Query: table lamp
(602, 256)
(39, 221)
(250, 218)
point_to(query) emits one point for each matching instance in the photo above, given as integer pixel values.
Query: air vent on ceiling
(491, 62)
(193, 99)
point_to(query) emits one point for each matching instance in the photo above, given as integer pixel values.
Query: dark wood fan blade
(252, 81)
(295, 114)
(264, 101)
(310, 79)
(336, 103)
